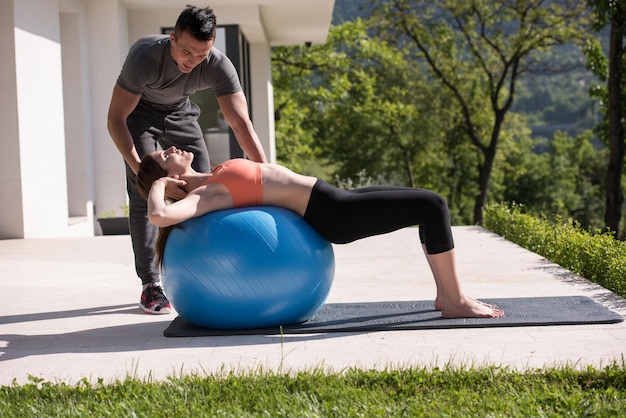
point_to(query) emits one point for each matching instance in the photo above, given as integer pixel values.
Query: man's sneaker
(154, 301)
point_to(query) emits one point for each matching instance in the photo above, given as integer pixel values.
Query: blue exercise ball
(247, 268)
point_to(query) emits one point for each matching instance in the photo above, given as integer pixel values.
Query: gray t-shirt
(149, 70)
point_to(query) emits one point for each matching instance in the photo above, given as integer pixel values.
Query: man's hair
(199, 22)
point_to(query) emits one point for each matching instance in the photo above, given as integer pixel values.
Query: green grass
(448, 392)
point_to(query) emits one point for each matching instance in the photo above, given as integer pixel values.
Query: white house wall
(77, 100)
(37, 181)
(262, 100)
(108, 45)
(11, 219)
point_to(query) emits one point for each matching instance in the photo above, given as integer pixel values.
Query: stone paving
(70, 312)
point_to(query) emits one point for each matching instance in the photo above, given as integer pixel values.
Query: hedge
(596, 256)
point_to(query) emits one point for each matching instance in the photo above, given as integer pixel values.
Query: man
(150, 107)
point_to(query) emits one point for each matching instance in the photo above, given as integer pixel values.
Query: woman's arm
(197, 202)
(162, 214)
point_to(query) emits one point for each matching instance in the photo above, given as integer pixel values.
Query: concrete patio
(70, 312)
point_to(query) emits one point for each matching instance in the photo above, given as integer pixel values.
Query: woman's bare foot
(469, 308)
(439, 303)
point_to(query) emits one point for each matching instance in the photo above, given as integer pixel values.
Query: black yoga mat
(415, 315)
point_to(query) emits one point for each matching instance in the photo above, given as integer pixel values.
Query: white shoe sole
(163, 311)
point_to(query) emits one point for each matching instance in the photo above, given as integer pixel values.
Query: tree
(566, 180)
(356, 103)
(613, 14)
(477, 50)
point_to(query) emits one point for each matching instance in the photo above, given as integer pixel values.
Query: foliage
(612, 96)
(365, 108)
(566, 179)
(112, 213)
(558, 102)
(597, 62)
(355, 103)
(477, 51)
(471, 392)
(594, 255)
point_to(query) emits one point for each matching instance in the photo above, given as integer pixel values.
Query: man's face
(188, 51)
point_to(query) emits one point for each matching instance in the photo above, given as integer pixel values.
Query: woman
(340, 216)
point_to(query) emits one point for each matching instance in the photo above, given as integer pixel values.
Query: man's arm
(235, 109)
(122, 105)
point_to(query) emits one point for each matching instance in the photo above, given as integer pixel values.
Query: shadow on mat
(420, 315)
(137, 337)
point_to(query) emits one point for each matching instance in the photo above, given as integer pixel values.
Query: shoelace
(156, 292)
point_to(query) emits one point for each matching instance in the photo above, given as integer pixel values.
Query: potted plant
(112, 224)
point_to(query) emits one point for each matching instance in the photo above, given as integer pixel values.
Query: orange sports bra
(243, 180)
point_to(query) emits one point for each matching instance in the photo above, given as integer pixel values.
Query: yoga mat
(415, 315)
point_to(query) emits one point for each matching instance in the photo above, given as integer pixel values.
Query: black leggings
(343, 216)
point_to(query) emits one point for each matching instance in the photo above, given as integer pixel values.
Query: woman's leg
(344, 216)
(430, 264)
(450, 299)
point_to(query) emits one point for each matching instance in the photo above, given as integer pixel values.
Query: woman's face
(187, 51)
(173, 160)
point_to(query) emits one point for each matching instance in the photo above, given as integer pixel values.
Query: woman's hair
(199, 22)
(149, 172)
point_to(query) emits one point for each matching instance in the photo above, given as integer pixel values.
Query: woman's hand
(162, 213)
(173, 188)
